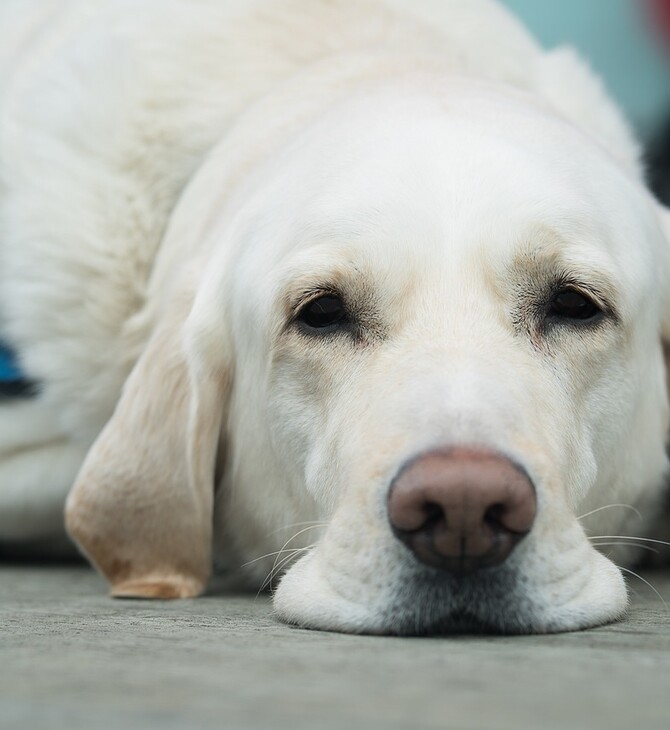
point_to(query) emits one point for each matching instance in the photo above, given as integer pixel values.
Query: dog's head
(429, 323)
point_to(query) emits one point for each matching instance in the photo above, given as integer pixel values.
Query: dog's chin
(426, 602)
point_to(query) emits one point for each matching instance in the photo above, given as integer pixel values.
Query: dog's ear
(141, 507)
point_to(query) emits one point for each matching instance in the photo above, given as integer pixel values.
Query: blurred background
(627, 42)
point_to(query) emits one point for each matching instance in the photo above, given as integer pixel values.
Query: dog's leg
(38, 465)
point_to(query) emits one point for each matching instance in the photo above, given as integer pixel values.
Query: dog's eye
(571, 304)
(324, 313)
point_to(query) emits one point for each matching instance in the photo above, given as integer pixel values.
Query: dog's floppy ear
(141, 507)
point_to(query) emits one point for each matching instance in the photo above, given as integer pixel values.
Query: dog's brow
(300, 283)
(543, 260)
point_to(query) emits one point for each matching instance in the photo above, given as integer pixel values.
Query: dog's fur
(177, 176)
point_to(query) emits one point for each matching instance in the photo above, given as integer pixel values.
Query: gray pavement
(72, 658)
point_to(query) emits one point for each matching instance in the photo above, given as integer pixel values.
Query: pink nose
(461, 509)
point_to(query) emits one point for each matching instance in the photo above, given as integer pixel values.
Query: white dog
(377, 280)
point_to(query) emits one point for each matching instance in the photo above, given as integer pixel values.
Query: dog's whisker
(279, 565)
(629, 537)
(627, 544)
(269, 555)
(609, 506)
(291, 539)
(646, 582)
(291, 553)
(301, 532)
(267, 580)
(275, 567)
(312, 523)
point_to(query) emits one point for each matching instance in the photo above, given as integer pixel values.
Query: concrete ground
(72, 658)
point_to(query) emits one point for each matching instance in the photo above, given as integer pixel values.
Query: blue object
(9, 370)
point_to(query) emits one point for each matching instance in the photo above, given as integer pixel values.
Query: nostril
(494, 516)
(434, 515)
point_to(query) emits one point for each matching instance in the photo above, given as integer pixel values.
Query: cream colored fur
(174, 173)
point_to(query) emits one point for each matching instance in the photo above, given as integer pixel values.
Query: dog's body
(166, 171)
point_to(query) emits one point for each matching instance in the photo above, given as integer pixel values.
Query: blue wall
(616, 38)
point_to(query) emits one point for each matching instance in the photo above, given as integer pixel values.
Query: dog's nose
(461, 509)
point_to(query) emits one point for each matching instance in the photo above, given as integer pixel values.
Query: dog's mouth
(435, 603)
(459, 623)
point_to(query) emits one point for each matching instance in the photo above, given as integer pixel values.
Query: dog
(367, 295)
